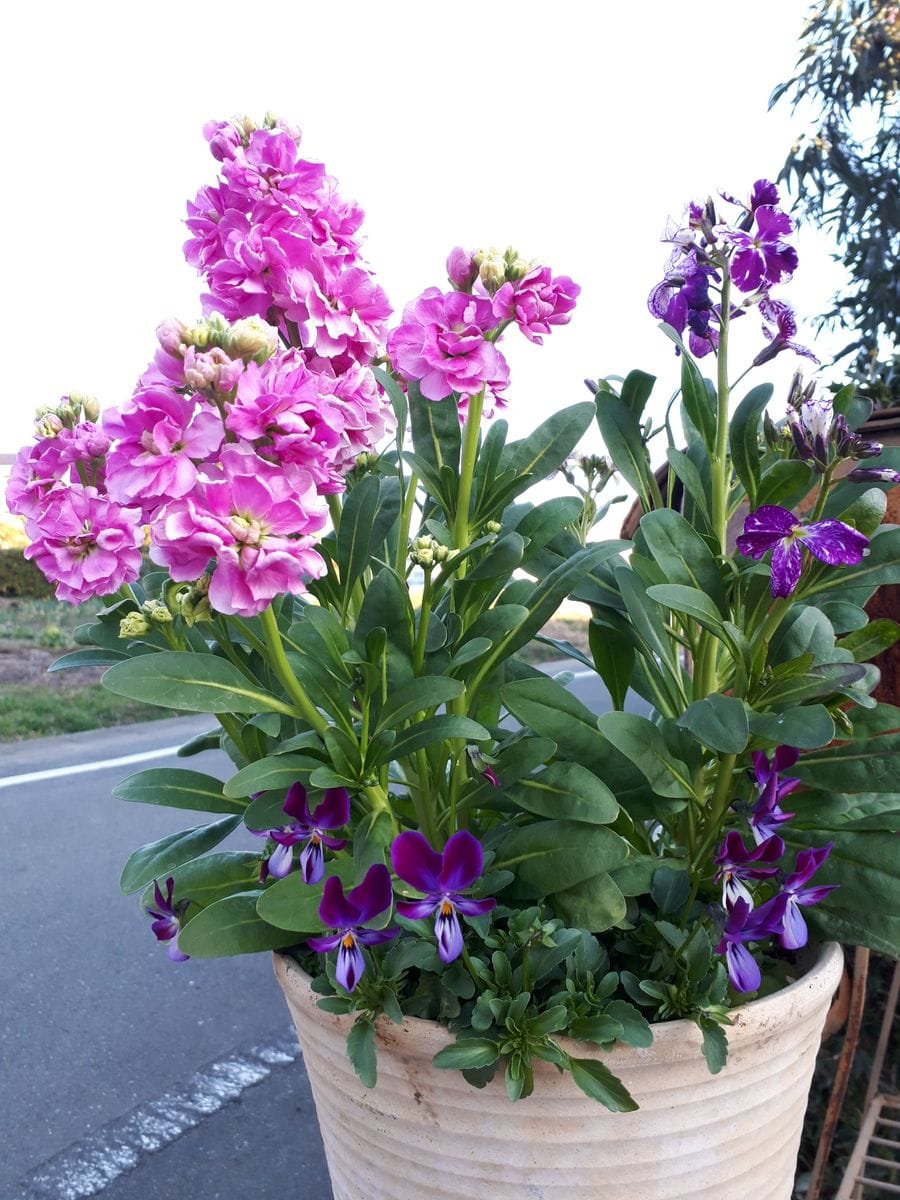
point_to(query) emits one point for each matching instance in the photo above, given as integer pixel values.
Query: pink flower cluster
(446, 341)
(229, 445)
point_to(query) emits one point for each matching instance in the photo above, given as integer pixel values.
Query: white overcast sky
(569, 130)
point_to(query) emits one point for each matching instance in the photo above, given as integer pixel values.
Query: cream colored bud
(155, 610)
(133, 625)
(197, 334)
(48, 426)
(91, 409)
(493, 271)
(251, 338)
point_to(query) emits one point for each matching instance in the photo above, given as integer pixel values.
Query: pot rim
(749, 1021)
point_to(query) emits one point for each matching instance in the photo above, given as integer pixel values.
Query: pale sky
(569, 130)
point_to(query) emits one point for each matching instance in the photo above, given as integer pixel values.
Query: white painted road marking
(101, 764)
(90, 1166)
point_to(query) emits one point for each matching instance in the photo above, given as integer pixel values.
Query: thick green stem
(406, 509)
(471, 430)
(422, 631)
(721, 475)
(283, 670)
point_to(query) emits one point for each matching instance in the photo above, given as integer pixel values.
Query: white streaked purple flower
(441, 877)
(774, 528)
(762, 257)
(746, 924)
(167, 918)
(348, 914)
(308, 827)
(779, 330)
(767, 816)
(874, 475)
(737, 862)
(794, 933)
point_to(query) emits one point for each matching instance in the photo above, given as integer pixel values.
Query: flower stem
(283, 670)
(720, 473)
(471, 430)
(409, 500)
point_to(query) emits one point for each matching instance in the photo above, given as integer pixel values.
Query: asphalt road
(123, 1074)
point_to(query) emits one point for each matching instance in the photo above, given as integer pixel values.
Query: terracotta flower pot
(425, 1133)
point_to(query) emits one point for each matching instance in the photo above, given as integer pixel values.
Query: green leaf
(682, 554)
(466, 1054)
(827, 679)
(543, 522)
(744, 438)
(542, 452)
(547, 708)
(361, 1051)
(598, 1082)
(426, 691)
(435, 430)
(157, 859)
(621, 431)
(596, 904)
(567, 791)
(785, 483)
(807, 728)
(443, 727)
(601, 1029)
(869, 765)
(292, 904)
(636, 1030)
(718, 722)
(636, 389)
(211, 878)
(88, 658)
(642, 742)
(191, 682)
(551, 856)
(866, 643)
(690, 477)
(395, 393)
(691, 602)
(613, 655)
(866, 512)
(882, 565)
(698, 401)
(231, 926)
(670, 889)
(715, 1044)
(275, 773)
(176, 788)
(370, 508)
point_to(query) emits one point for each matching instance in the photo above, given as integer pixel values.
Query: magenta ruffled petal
(415, 862)
(463, 862)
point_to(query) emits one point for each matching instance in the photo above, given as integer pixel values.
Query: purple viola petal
(375, 937)
(415, 862)
(794, 933)
(835, 543)
(164, 929)
(334, 810)
(175, 954)
(332, 843)
(448, 933)
(815, 895)
(280, 861)
(787, 563)
(784, 758)
(766, 919)
(416, 910)
(491, 776)
(463, 862)
(312, 861)
(372, 896)
(474, 908)
(808, 862)
(295, 804)
(743, 969)
(350, 963)
(337, 910)
(323, 944)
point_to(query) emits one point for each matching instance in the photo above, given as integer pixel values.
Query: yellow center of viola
(446, 908)
(348, 941)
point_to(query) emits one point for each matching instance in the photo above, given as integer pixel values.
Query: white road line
(101, 764)
(90, 1166)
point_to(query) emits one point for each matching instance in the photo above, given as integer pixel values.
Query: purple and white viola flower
(774, 528)
(767, 815)
(746, 924)
(348, 915)
(167, 918)
(441, 877)
(737, 862)
(309, 827)
(794, 933)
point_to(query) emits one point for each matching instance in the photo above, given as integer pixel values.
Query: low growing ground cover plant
(435, 827)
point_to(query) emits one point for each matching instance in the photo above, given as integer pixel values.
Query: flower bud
(516, 267)
(462, 269)
(252, 338)
(155, 610)
(171, 336)
(874, 475)
(91, 409)
(492, 271)
(48, 426)
(133, 625)
(492, 527)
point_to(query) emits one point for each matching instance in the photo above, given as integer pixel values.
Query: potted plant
(470, 877)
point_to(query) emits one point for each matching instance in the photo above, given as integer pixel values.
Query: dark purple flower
(308, 827)
(683, 301)
(746, 924)
(811, 422)
(762, 256)
(737, 862)
(764, 193)
(167, 923)
(779, 330)
(767, 816)
(441, 877)
(347, 914)
(794, 933)
(850, 444)
(774, 528)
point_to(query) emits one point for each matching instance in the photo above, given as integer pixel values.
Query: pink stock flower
(342, 311)
(441, 343)
(365, 410)
(37, 472)
(256, 520)
(537, 302)
(161, 436)
(85, 543)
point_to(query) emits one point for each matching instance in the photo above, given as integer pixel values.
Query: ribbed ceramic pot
(425, 1134)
